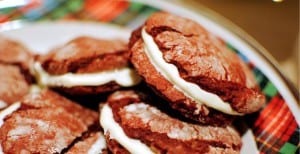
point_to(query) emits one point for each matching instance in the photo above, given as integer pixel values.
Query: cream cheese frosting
(125, 77)
(170, 73)
(2, 104)
(9, 110)
(116, 132)
(98, 146)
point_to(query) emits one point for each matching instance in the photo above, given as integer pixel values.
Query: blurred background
(272, 23)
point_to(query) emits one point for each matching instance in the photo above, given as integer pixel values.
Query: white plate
(41, 37)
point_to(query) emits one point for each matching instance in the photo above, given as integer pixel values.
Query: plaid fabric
(274, 127)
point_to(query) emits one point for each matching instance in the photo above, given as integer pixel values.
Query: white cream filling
(190, 90)
(125, 77)
(98, 146)
(2, 104)
(1, 150)
(35, 89)
(7, 111)
(108, 123)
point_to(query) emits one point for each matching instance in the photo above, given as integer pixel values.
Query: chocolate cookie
(13, 85)
(43, 122)
(15, 53)
(193, 69)
(87, 65)
(94, 143)
(132, 124)
(15, 63)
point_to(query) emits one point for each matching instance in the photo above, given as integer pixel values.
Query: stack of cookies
(15, 79)
(173, 88)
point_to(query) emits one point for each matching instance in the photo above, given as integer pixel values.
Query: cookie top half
(44, 122)
(14, 52)
(86, 55)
